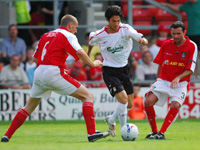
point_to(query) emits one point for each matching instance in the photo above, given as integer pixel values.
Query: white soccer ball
(129, 132)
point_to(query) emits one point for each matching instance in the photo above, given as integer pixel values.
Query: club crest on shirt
(123, 40)
(183, 55)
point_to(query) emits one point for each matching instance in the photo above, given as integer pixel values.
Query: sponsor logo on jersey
(116, 49)
(166, 62)
(174, 63)
(168, 54)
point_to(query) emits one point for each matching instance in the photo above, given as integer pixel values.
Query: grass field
(58, 135)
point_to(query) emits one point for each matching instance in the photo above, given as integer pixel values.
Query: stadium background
(145, 16)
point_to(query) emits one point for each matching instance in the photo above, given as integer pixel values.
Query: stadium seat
(153, 10)
(164, 15)
(143, 22)
(165, 23)
(177, 1)
(125, 10)
(141, 14)
(136, 54)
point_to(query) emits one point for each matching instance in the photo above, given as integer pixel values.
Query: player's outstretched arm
(173, 7)
(89, 50)
(175, 82)
(85, 58)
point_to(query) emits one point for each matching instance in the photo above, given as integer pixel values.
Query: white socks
(121, 113)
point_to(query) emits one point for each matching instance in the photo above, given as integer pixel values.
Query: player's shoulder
(124, 25)
(192, 44)
(98, 33)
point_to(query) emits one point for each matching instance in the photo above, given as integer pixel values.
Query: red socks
(169, 119)
(17, 122)
(88, 114)
(151, 115)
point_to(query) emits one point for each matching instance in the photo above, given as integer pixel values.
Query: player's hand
(97, 63)
(174, 83)
(143, 41)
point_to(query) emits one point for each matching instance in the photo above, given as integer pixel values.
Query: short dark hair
(65, 20)
(11, 25)
(178, 24)
(113, 11)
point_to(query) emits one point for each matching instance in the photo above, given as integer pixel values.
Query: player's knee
(175, 105)
(89, 97)
(148, 103)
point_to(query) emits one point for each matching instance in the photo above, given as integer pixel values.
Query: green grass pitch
(184, 134)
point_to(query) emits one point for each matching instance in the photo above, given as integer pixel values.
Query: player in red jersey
(176, 59)
(50, 75)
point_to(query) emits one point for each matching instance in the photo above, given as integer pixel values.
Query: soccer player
(50, 75)
(115, 43)
(176, 59)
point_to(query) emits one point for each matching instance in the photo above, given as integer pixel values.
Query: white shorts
(48, 78)
(161, 88)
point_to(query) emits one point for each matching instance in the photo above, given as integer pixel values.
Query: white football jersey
(115, 47)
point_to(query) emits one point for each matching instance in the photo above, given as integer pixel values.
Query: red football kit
(55, 46)
(175, 60)
(52, 51)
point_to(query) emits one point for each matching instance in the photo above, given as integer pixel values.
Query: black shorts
(118, 79)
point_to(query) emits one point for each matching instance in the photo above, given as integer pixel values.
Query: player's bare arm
(85, 58)
(35, 60)
(89, 49)
(143, 41)
(159, 70)
(175, 82)
(173, 7)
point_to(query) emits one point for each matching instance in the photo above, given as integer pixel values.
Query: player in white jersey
(115, 42)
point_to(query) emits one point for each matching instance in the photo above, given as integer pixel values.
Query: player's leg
(87, 108)
(171, 115)
(20, 117)
(130, 100)
(86, 96)
(150, 100)
(121, 109)
(177, 97)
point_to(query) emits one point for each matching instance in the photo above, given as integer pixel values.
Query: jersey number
(44, 51)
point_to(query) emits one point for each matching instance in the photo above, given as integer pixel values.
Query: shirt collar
(61, 27)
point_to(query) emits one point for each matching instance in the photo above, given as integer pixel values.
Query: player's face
(114, 23)
(177, 35)
(74, 27)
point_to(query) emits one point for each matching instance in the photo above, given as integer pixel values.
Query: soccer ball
(129, 132)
